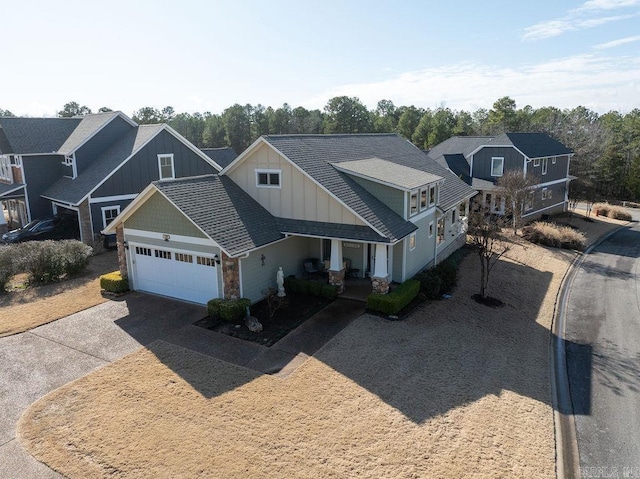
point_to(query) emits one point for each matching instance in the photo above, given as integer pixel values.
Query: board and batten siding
(142, 168)
(96, 212)
(109, 135)
(554, 172)
(157, 214)
(40, 172)
(558, 192)
(482, 161)
(392, 197)
(396, 269)
(289, 253)
(422, 254)
(298, 198)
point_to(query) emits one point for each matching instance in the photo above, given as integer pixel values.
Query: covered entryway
(181, 274)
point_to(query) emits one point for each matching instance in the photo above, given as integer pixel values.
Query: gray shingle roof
(534, 145)
(456, 145)
(12, 189)
(315, 153)
(222, 156)
(332, 230)
(400, 176)
(24, 136)
(73, 191)
(87, 127)
(224, 211)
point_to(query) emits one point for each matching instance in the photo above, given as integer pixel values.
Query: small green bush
(393, 302)
(430, 283)
(114, 282)
(7, 266)
(231, 310)
(448, 273)
(314, 288)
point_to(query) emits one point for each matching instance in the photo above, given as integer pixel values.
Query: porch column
(336, 269)
(122, 254)
(3, 222)
(380, 278)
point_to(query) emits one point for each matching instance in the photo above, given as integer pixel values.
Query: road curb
(567, 457)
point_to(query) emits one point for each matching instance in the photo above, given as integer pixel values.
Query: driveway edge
(567, 456)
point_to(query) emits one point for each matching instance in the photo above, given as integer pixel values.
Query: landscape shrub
(231, 310)
(314, 288)
(75, 256)
(556, 236)
(114, 283)
(395, 301)
(7, 266)
(448, 273)
(430, 283)
(41, 260)
(611, 211)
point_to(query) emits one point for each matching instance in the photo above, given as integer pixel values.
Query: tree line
(606, 147)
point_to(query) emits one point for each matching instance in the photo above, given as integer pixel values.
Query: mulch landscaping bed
(295, 310)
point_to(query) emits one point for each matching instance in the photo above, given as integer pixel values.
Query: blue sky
(207, 55)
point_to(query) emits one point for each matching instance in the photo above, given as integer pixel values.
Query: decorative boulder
(253, 324)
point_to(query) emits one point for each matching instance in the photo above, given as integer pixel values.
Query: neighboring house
(90, 167)
(365, 205)
(222, 156)
(481, 161)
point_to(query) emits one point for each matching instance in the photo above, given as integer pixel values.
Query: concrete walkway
(39, 361)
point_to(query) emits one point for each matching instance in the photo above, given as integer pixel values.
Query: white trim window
(166, 170)
(413, 205)
(424, 203)
(412, 242)
(269, 178)
(430, 229)
(545, 165)
(544, 194)
(536, 162)
(553, 160)
(432, 196)
(5, 169)
(109, 213)
(497, 165)
(440, 230)
(528, 202)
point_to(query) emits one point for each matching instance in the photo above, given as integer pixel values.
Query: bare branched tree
(515, 187)
(485, 231)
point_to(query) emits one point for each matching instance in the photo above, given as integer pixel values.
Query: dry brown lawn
(457, 390)
(22, 309)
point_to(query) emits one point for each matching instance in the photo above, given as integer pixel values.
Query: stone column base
(336, 278)
(380, 285)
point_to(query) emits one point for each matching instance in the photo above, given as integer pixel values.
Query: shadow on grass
(449, 353)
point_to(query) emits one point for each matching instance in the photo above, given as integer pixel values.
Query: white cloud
(599, 83)
(617, 43)
(585, 16)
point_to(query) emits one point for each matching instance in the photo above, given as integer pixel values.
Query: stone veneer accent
(380, 285)
(122, 254)
(230, 277)
(85, 223)
(336, 278)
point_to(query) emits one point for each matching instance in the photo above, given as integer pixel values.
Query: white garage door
(178, 274)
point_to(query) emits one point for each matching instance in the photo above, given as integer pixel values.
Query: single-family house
(481, 161)
(365, 206)
(89, 167)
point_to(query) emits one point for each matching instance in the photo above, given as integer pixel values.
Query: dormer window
(268, 178)
(70, 161)
(414, 203)
(165, 165)
(423, 200)
(432, 196)
(5, 169)
(16, 160)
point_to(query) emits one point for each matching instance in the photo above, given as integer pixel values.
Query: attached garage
(182, 274)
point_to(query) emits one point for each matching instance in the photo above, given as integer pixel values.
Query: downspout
(240, 258)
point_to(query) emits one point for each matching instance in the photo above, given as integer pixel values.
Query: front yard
(458, 389)
(25, 308)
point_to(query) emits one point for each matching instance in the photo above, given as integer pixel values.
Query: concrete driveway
(43, 359)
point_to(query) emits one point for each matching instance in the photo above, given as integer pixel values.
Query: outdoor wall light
(125, 244)
(166, 237)
(216, 258)
(262, 258)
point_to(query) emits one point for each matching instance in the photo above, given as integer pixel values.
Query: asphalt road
(603, 356)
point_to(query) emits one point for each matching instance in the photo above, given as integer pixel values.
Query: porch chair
(309, 269)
